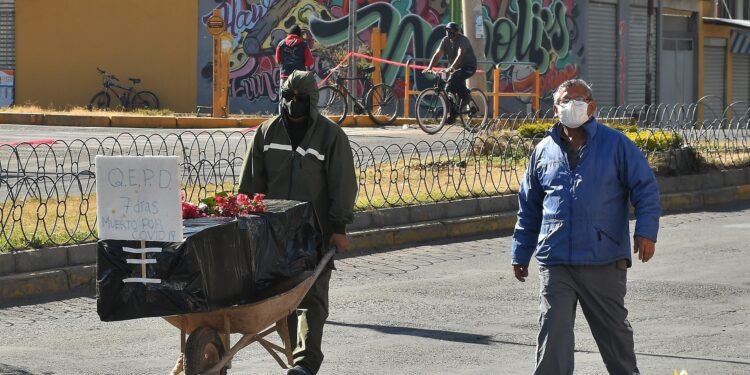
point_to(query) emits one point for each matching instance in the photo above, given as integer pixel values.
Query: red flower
(243, 200)
(224, 205)
(189, 211)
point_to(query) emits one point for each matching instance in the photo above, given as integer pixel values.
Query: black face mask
(450, 34)
(296, 107)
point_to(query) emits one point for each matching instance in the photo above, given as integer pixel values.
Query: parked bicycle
(380, 101)
(129, 99)
(435, 104)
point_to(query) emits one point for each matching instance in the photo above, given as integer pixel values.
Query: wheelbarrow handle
(324, 260)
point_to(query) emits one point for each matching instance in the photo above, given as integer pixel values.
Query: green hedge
(646, 140)
(538, 129)
(534, 130)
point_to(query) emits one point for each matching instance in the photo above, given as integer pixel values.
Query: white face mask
(573, 113)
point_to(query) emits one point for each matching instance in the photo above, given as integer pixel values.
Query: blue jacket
(580, 217)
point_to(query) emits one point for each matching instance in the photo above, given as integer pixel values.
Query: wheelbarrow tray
(252, 320)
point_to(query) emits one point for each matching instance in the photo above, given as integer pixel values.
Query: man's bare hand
(644, 247)
(341, 241)
(521, 271)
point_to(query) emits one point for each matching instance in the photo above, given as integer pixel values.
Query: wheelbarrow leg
(282, 328)
(226, 338)
(179, 367)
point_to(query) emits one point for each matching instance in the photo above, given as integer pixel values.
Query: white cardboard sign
(138, 198)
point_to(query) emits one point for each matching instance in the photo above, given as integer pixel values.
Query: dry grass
(33, 223)
(83, 111)
(417, 182)
(40, 224)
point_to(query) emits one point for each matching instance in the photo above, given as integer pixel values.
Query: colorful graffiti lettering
(257, 27)
(240, 15)
(541, 32)
(536, 34)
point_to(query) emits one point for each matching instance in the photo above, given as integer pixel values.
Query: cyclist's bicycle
(129, 98)
(435, 104)
(380, 102)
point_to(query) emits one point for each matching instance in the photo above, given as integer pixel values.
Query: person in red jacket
(292, 53)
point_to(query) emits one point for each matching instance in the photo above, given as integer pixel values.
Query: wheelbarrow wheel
(203, 350)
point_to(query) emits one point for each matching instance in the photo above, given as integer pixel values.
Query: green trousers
(308, 332)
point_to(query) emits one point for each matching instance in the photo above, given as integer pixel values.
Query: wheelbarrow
(207, 349)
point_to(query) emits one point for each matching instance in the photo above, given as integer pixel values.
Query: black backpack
(292, 58)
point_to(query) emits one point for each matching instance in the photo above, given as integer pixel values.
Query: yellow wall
(59, 44)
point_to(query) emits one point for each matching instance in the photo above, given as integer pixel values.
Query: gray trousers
(601, 293)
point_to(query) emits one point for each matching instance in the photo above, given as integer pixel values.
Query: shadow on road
(437, 334)
(470, 338)
(8, 369)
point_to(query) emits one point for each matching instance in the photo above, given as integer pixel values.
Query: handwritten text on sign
(138, 198)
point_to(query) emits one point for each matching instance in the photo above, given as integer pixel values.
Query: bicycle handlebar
(443, 73)
(107, 75)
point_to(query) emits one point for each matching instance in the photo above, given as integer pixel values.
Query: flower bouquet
(223, 204)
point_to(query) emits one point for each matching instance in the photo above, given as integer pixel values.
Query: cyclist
(463, 63)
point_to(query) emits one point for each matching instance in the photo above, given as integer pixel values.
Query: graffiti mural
(257, 26)
(521, 34)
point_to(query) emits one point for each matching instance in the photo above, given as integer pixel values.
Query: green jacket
(320, 170)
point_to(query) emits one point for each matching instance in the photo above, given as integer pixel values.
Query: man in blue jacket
(573, 213)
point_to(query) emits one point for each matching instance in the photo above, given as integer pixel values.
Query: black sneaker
(298, 370)
(451, 119)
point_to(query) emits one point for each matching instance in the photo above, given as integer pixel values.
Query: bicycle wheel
(99, 101)
(432, 110)
(474, 114)
(145, 100)
(331, 103)
(382, 104)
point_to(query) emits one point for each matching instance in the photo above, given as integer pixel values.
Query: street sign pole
(222, 46)
(352, 71)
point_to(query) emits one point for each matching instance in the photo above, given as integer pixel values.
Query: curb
(47, 282)
(189, 122)
(142, 122)
(66, 120)
(22, 118)
(375, 230)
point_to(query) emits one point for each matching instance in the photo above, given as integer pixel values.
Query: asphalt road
(57, 152)
(445, 308)
(370, 137)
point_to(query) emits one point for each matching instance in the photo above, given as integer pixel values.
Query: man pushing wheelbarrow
(304, 156)
(250, 272)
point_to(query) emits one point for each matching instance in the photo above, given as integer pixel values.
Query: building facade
(55, 47)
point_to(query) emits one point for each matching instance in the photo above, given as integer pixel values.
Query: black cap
(452, 26)
(296, 30)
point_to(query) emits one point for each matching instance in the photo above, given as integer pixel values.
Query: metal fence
(47, 191)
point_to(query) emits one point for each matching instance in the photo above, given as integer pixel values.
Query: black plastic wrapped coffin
(222, 262)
